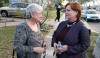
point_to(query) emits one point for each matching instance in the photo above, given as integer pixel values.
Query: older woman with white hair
(28, 40)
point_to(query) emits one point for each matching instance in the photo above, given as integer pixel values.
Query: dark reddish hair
(76, 7)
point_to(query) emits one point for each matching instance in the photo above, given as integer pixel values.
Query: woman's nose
(66, 12)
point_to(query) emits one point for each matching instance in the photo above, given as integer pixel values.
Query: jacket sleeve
(54, 38)
(20, 39)
(84, 43)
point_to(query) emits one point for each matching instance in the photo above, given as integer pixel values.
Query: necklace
(69, 25)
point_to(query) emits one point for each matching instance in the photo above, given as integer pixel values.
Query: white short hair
(32, 8)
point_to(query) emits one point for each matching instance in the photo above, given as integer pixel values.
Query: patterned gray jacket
(25, 40)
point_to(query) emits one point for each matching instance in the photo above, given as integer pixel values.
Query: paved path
(9, 23)
(48, 38)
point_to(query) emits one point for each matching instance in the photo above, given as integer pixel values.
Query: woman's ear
(32, 14)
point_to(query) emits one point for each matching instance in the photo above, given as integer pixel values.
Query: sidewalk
(17, 21)
(48, 38)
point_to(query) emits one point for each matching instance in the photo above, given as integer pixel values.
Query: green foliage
(52, 14)
(44, 33)
(6, 41)
(45, 26)
(6, 1)
(20, 14)
(1, 4)
(26, 1)
(44, 13)
(93, 39)
(5, 4)
(59, 2)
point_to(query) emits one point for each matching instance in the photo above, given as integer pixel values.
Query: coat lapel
(62, 27)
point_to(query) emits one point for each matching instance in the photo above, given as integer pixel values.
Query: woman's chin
(38, 20)
(67, 17)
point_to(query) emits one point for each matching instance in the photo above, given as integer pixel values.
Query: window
(22, 5)
(92, 12)
(14, 5)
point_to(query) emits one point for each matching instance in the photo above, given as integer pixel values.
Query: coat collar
(62, 26)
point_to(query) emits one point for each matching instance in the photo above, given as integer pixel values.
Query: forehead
(68, 7)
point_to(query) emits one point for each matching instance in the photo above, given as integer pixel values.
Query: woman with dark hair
(72, 34)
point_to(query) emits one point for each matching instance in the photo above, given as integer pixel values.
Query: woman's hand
(38, 49)
(63, 49)
(45, 45)
(55, 48)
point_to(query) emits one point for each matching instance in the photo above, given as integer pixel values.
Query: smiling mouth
(67, 15)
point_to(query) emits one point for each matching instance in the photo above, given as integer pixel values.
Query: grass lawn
(51, 14)
(93, 39)
(6, 41)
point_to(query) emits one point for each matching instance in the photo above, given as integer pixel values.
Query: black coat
(77, 41)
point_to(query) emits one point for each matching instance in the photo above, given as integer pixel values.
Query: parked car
(63, 10)
(14, 9)
(92, 15)
(83, 14)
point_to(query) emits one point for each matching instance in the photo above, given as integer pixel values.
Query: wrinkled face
(37, 16)
(70, 14)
